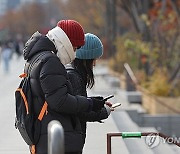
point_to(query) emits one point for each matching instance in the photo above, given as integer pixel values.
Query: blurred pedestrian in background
(0, 51)
(18, 46)
(6, 56)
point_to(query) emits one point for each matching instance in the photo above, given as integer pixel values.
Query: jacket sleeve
(93, 116)
(54, 85)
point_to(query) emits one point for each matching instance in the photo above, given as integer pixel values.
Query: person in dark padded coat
(81, 76)
(48, 79)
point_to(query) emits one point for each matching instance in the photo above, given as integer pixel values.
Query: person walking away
(48, 80)
(0, 51)
(6, 56)
(81, 76)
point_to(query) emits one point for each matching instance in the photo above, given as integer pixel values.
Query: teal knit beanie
(92, 49)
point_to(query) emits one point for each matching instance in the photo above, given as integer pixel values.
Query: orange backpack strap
(24, 98)
(43, 110)
(41, 115)
(32, 149)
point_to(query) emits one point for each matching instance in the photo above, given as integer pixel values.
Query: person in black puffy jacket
(81, 76)
(48, 79)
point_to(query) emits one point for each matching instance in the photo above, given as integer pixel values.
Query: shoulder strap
(29, 69)
(43, 110)
(45, 105)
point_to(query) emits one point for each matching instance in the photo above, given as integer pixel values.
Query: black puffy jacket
(79, 88)
(49, 82)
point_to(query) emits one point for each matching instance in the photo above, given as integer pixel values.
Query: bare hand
(108, 104)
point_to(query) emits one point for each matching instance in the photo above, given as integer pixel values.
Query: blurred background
(141, 41)
(144, 34)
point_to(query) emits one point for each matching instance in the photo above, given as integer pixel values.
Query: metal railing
(55, 138)
(137, 135)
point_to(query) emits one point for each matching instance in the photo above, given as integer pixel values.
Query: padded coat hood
(37, 43)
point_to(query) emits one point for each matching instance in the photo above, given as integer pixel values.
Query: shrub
(158, 83)
(145, 58)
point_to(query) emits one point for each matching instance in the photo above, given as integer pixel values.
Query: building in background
(30, 1)
(12, 4)
(3, 6)
(6, 5)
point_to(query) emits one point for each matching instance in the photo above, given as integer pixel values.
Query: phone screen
(108, 97)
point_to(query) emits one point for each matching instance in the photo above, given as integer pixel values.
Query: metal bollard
(55, 138)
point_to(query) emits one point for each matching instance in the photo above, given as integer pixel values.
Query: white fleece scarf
(63, 45)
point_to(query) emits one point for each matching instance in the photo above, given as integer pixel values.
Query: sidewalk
(10, 139)
(96, 140)
(119, 121)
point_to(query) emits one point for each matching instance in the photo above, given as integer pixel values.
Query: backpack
(25, 121)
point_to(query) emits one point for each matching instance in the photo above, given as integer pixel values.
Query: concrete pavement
(10, 140)
(119, 121)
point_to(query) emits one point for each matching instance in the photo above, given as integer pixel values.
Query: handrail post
(108, 144)
(55, 138)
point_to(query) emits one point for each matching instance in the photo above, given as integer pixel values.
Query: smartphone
(116, 105)
(108, 97)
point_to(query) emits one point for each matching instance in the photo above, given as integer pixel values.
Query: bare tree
(136, 9)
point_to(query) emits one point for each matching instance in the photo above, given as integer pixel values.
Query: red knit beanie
(74, 31)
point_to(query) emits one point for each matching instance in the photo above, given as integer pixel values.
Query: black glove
(98, 97)
(98, 104)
